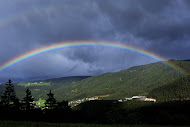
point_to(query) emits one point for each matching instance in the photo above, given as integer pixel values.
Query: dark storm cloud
(161, 24)
(162, 27)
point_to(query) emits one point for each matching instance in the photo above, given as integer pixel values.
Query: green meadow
(40, 102)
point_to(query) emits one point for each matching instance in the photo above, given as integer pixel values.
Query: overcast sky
(162, 27)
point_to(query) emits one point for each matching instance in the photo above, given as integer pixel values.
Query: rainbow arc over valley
(69, 44)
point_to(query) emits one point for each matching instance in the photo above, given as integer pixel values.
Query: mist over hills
(138, 80)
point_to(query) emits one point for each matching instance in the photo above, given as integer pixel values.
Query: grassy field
(43, 124)
(34, 84)
(40, 102)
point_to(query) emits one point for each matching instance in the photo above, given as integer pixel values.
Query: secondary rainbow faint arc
(62, 45)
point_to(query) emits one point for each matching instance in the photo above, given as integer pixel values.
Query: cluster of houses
(33, 83)
(142, 98)
(77, 102)
(40, 103)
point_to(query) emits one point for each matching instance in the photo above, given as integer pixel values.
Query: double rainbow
(62, 45)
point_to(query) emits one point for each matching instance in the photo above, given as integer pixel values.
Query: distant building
(138, 97)
(128, 99)
(150, 99)
(120, 100)
(141, 98)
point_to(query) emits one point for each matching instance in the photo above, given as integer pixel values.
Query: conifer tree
(9, 96)
(64, 105)
(28, 100)
(51, 101)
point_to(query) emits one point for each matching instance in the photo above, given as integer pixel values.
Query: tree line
(10, 101)
(10, 105)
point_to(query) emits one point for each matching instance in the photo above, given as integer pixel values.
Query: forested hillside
(139, 80)
(178, 89)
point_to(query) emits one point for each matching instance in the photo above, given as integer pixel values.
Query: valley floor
(43, 124)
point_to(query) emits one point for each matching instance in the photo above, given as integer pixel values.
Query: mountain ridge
(137, 80)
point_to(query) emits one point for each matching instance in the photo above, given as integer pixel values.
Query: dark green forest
(178, 89)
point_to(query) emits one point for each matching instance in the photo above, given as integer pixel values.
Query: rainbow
(62, 45)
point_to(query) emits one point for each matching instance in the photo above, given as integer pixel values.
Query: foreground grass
(43, 124)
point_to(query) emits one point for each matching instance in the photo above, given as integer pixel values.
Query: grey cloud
(161, 24)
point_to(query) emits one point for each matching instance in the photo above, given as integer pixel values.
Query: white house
(142, 98)
(120, 100)
(138, 97)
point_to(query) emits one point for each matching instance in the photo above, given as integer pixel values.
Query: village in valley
(138, 98)
(34, 84)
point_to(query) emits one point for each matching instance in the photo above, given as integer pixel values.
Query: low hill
(178, 89)
(65, 80)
